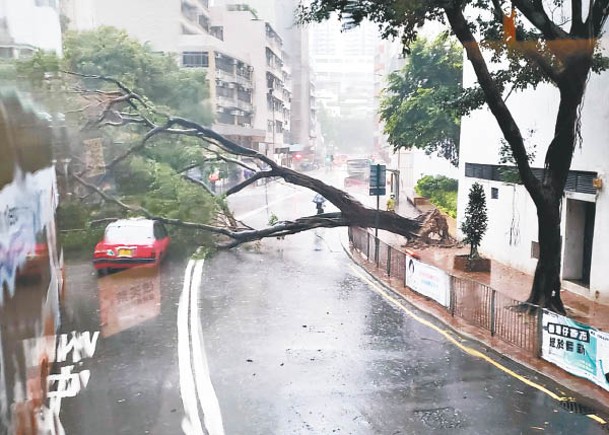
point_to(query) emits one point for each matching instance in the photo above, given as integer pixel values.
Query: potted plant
(474, 226)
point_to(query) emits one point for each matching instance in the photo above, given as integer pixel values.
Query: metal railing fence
(476, 303)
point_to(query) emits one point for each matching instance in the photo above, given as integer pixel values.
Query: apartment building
(242, 56)
(280, 14)
(257, 41)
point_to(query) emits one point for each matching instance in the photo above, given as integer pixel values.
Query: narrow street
(287, 336)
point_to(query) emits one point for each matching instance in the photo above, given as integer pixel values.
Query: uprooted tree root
(433, 231)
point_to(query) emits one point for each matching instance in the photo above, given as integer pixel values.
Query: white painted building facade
(28, 25)
(512, 232)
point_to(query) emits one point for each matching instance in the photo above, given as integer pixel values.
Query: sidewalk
(506, 280)
(509, 282)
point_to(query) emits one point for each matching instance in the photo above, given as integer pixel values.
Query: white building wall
(36, 26)
(514, 213)
(80, 13)
(153, 21)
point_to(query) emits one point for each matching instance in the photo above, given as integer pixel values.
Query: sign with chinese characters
(428, 281)
(94, 157)
(570, 345)
(129, 298)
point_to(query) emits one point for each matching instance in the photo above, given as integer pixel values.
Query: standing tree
(414, 107)
(526, 45)
(474, 225)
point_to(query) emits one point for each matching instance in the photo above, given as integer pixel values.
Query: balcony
(246, 83)
(245, 106)
(226, 102)
(225, 76)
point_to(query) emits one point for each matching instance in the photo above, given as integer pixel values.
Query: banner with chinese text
(569, 344)
(428, 281)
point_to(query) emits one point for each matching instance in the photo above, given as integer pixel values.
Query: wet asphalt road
(293, 340)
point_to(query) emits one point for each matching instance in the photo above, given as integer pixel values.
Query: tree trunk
(546, 283)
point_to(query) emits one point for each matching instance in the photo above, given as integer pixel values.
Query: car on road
(129, 243)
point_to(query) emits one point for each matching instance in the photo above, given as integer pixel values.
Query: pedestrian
(391, 203)
(319, 203)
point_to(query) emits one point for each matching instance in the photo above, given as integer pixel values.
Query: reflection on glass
(30, 266)
(129, 298)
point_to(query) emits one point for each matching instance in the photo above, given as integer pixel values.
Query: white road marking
(205, 389)
(191, 425)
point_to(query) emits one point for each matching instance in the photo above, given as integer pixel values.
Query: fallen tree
(120, 107)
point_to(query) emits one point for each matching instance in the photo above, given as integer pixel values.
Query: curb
(582, 398)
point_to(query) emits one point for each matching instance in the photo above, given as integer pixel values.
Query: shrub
(476, 219)
(441, 192)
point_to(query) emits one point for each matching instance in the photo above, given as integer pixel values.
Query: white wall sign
(428, 281)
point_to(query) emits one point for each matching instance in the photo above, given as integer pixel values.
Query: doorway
(579, 240)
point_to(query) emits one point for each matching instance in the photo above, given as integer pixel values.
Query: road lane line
(264, 207)
(212, 417)
(191, 424)
(468, 350)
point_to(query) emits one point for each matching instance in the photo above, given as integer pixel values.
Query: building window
(204, 22)
(48, 3)
(494, 193)
(577, 181)
(6, 52)
(217, 32)
(225, 92)
(195, 59)
(225, 118)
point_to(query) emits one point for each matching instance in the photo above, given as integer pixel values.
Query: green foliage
(273, 219)
(38, 68)
(72, 215)
(76, 242)
(158, 188)
(441, 192)
(416, 107)
(157, 76)
(476, 219)
(76, 234)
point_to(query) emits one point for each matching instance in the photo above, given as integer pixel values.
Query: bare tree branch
(597, 17)
(577, 20)
(251, 180)
(529, 49)
(533, 10)
(235, 161)
(199, 183)
(352, 212)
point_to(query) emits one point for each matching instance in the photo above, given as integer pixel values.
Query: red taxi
(129, 243)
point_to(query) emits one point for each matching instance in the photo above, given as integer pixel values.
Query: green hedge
(441, 192)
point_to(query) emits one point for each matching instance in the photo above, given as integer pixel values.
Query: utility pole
(378, 181)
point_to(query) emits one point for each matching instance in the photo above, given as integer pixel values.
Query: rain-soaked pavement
(293, 341)
(285, 337)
